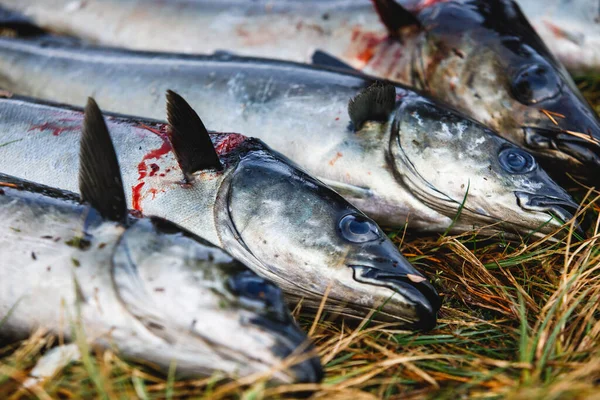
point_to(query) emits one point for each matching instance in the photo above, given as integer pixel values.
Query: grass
(519, 321)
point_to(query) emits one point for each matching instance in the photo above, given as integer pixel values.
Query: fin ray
(394, 16)
(190, 139)
(100, 182)
(374, 103)
(325, 59)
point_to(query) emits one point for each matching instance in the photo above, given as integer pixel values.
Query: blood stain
(54, 128)
(136, 194)
(154, 168)
(335, 158)
(229, 142)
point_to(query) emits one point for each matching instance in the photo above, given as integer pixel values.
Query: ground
(519, 320)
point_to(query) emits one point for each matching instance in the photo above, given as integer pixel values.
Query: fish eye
(534, 84)
(358, 229)
(516, 161)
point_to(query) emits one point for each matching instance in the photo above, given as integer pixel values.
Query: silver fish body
(149, 289)
(302, 111)
(485, 59)
(286, 29)
(481, 57)
(283, 224)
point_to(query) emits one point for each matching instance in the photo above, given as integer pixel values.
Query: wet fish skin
(486, 60)
(267, 28)
(570, 29)
(239, 24)
(150, 289)
(501, 50)
(302, 256)
(312, 126)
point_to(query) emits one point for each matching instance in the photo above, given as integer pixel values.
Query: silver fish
(240, 195)
(302, 111)
(287, 29)
(485, 59)
(146, 287)
(481, 57)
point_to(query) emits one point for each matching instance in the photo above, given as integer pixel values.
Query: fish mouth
(585, 148)
(292, 342)
(562, 208)
(273, 316)
(413, 287)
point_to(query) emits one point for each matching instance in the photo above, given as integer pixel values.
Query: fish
(287, 29)
(486, 60)
(499, 73)
(409, 162)
(570, 29)
(237, 193)
(81, 267)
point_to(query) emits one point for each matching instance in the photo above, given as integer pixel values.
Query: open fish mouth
(561, 208)
(414, 288)
(291, 342)
(585, 148)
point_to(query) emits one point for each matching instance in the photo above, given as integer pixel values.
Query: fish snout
(583, 147)
(558, 204)
(391, 270)
(292, 343)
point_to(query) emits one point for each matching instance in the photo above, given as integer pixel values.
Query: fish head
(461, 168)
(484, 58)
(310, 241)
(208, 312)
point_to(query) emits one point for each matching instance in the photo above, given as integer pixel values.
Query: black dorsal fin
(394, 16)
(190, 140)
(374, 103)
(324, 59)
(100, 182)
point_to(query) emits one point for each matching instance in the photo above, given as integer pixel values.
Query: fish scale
(245, 208)
(300, 111)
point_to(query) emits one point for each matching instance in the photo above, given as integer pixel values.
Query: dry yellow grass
(519, 321)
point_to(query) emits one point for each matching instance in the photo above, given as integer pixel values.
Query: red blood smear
(135, 213)
(154, 169)
(56, 129)
(154, 192)
(156, 153)
(162, 150)
(367, 41)
(427, 3)
(142, 170)
(136, 194)
(229, 142)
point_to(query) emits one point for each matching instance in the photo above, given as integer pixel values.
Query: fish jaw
(295, 236)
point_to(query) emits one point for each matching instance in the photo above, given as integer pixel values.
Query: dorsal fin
(394, 16)
(322, 58)
(190, 140)
(374, 103)
(100, 182)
